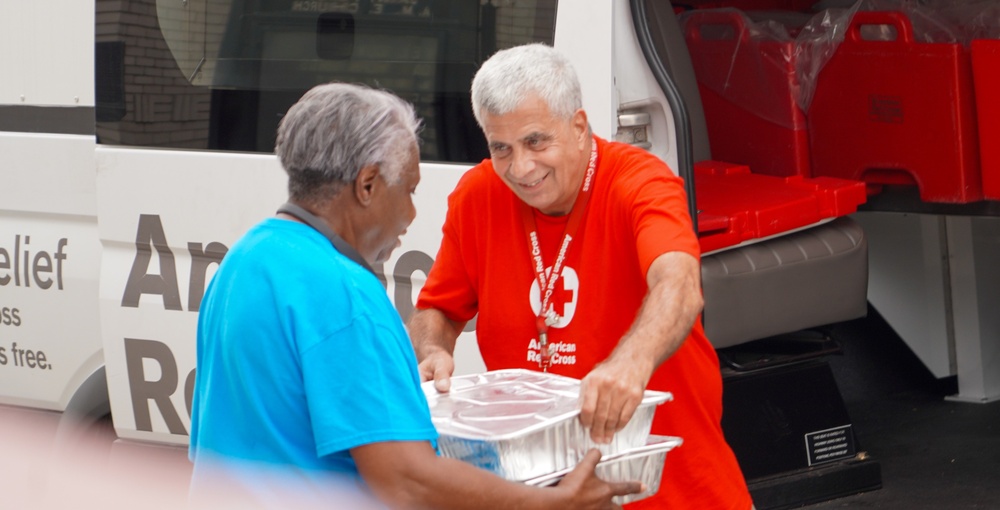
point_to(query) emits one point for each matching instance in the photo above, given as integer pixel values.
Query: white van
(137, 141)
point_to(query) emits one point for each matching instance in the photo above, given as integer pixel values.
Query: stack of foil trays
(524, 426)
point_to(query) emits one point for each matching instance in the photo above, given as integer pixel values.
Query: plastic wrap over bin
(748, 85)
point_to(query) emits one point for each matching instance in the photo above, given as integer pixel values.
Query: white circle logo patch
(564, 296)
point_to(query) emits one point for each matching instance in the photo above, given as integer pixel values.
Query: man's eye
(537, 143)
(499, 151)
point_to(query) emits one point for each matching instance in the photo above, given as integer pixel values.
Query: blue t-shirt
(301, 357)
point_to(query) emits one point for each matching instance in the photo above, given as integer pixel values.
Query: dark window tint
(109, 79)
(219, 74)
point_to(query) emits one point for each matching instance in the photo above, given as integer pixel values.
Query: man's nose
(411, 215)
(521, 164)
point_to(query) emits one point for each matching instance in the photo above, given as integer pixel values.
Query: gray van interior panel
(810, 278)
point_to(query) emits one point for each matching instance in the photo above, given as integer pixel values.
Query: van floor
(934, 453)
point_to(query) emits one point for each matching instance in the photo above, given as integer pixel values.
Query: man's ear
(366, 183)
(580, 127)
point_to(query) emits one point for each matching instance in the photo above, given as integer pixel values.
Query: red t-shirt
(638, 211)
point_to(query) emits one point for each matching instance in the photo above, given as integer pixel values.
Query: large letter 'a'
(149, 235)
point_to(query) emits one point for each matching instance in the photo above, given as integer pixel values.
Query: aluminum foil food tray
(522, 424)
(643, 464)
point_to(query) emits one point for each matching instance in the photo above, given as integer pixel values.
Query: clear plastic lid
(508, 403)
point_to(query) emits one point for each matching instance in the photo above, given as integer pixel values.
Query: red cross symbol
(560, 296)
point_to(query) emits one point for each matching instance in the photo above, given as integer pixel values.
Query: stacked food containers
(524, 426)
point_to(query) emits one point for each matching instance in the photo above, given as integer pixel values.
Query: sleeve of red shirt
(449, 287)
(659, 210)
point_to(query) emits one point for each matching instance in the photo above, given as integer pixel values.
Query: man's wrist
(635, 359)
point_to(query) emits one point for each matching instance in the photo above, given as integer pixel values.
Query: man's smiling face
(541, 157)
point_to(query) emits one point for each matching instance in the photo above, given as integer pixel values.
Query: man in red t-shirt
(610, 222)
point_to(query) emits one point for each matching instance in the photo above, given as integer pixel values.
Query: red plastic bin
(747, 92)
(737, 206)
(986, 73)
(897, 112)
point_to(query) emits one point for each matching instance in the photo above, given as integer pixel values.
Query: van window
(219, 74)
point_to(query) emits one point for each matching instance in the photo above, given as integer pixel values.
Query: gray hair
(335, 130)
(508, 77)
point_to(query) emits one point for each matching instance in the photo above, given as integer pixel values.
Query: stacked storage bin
(884, 110)
(986, 72)
(758, 184)
(747, 85)
(738, 206)
(897, 112)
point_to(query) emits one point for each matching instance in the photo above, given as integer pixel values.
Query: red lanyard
(546, 286)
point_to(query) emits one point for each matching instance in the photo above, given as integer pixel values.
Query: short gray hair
(508, 77)
(335, 130)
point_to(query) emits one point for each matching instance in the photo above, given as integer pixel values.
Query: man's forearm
(430, 330)
(612, 391)
(667, 314)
